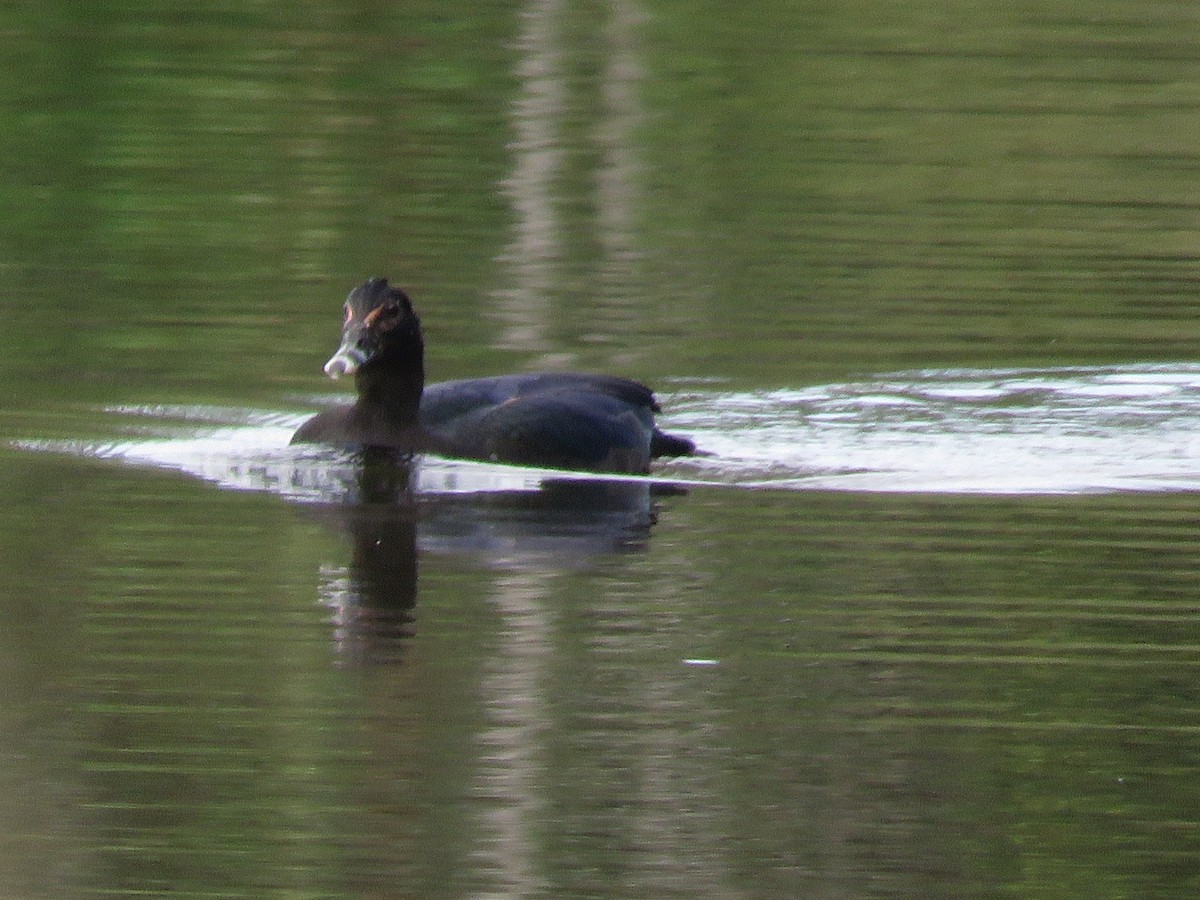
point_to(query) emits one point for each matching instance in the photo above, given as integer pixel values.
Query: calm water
(922, 280)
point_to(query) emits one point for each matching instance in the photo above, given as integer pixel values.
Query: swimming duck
(561, 420)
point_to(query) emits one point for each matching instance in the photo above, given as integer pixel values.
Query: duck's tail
(663, 444)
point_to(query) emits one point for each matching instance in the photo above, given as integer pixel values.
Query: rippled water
(1000, 431)
(924, 633)
(1004, 431)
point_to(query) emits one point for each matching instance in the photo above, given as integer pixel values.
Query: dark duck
(560, 420)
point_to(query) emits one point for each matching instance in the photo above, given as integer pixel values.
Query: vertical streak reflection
(512, 777)
(551, 233)
(537, 162)
(617, 179)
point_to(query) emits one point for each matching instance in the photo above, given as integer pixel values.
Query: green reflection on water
(912, 696)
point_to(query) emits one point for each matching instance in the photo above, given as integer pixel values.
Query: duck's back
(559, 420)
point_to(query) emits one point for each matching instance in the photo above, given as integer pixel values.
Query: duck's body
(561, 420)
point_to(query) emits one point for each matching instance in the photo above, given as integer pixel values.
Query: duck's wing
(564, 422)
(445, 401)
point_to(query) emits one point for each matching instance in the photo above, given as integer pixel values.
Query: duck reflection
(372, 598)
(389, 523)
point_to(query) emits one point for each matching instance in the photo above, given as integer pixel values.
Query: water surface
(921, 279)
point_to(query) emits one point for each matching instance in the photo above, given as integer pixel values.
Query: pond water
(920, 280)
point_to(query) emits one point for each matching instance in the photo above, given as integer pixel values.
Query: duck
(558, 420)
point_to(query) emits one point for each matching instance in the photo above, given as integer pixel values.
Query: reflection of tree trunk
(617, 178)
(537, 161)
(513, 767)
(542, 243)
(642, 773)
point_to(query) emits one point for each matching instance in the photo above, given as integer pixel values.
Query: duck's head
(380, 327)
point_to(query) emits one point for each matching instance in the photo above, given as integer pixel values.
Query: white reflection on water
(249, 450)
(1004, 431)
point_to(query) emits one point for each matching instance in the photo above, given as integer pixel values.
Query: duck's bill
(347, 360)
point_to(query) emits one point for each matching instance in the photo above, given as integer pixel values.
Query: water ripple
(1006, 431)
(1003, 431)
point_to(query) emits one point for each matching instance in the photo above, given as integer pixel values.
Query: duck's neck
(392, 394)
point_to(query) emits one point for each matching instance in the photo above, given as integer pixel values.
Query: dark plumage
(564, 420)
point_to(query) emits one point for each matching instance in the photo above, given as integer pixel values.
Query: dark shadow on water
(371, 599)
(564, 524)
(393, 508)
